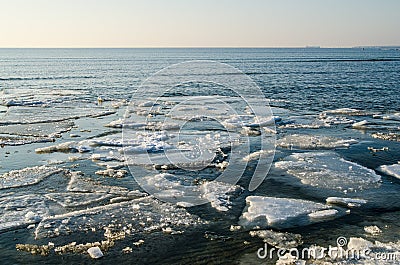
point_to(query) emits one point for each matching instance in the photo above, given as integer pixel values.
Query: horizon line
(205, 47)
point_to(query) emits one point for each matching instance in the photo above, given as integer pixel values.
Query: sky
(199, 23)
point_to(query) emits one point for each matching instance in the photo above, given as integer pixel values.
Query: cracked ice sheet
(327, 170)
(26, 176)
(270, 212)
(141, 215)
(20, 211)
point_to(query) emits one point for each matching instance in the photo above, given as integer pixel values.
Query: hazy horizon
(195, 24)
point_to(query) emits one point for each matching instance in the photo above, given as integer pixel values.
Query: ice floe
(387, 136)
(219, 194)
(239, 121)
(394, 116)
(348, 202)
(278, 239)
(186, 194)
(372, 230)
(77, 199)
(20, 211)
(114, 173)
(272, 212)
(391, 170)
(64, 147)
(258, 154)
(347, 111)
(303, 141)
(327, 170)
(142, 215)
(95, 252)
(78, 183)
(26, 176)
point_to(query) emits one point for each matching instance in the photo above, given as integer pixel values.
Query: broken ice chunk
(348, 202)
(391, 170)
(271, 212)
(329, 171)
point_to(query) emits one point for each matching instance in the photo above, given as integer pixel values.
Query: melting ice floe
(391, 170)
(278, 239)
(26, 176)
(303, 141)
(64, 147)
(258, 154)
(20, 211)
(184, 193)
(327, 170)
(348, 202)
(239, 121)
(272, 212)
(33, 115)
(303, 122)
(142, 215)
(347, 111)
(75, 199)
(387, 136)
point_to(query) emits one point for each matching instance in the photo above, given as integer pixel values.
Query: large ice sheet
(327, 170)
(272, 212)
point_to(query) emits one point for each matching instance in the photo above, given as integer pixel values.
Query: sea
(199, 155)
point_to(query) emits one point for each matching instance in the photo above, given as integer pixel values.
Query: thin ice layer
(328, 170)
(271, 212)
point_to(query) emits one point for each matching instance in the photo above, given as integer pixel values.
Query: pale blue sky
(200, 23)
